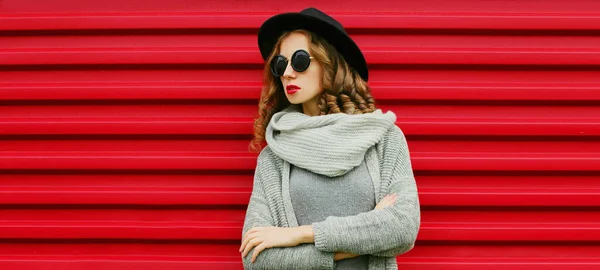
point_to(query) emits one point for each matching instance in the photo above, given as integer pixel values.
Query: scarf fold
(330, 144)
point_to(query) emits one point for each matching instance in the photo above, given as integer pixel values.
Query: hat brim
(272, 29)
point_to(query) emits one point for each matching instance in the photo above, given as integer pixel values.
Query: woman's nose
(289, 71)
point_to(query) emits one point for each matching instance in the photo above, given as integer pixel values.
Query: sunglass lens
(300, 60)
(278, 65)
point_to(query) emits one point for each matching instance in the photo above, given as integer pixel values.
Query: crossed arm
(386, 231)
(258, 215)
(261, 238)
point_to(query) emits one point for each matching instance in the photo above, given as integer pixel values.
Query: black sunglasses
(300, 62)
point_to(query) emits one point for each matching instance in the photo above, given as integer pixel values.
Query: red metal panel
(124, 128)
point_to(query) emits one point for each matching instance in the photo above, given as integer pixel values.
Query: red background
(124, 128)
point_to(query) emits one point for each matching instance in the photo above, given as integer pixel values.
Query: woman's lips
(292, 89)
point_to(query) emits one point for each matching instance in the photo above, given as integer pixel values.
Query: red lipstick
(290, 88)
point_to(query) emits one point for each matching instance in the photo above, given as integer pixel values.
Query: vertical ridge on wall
(124, 128)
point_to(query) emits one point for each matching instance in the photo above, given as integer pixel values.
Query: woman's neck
(311, 108)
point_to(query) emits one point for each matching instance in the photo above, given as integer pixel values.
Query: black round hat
(318, 22)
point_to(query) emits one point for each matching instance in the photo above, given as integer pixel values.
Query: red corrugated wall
(124, 128)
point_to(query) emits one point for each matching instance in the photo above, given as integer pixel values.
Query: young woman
(333, 186)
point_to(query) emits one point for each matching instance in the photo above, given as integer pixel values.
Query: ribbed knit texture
(316, 197)
(329, 144)
(382, 234)
(266, 208)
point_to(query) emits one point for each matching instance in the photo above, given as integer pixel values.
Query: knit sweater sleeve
(258, 214)
(387, 232)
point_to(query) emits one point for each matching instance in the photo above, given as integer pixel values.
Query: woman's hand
(388, 200)
(261, 238)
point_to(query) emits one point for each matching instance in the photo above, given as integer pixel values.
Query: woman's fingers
(392, 198)
(251, 244)
(247, 238)
(387, 201)
(247, 247)
(384, 202)
(244, 242)
(258, 249)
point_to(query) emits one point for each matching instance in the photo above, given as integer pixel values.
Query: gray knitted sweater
(332, 145)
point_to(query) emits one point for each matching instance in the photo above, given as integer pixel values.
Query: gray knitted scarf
(330, 144)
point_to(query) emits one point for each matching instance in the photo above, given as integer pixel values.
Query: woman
(333, 187)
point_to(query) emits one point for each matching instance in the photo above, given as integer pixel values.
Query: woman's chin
(294, 100)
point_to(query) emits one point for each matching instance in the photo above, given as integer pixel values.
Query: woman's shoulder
(266, 154)
(392, 144)
(268, 159)
(394, 135)
(393, 132)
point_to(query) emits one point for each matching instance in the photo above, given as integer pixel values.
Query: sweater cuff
(321, 242)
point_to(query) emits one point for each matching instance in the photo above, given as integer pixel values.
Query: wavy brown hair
(344, 91)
